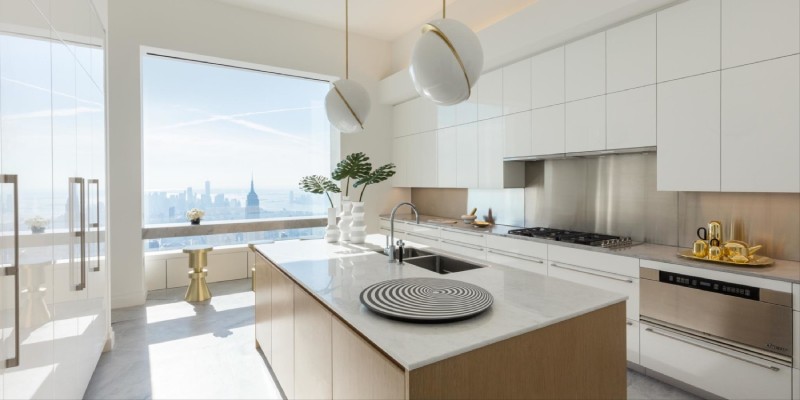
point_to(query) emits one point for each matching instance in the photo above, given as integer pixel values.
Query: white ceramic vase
(345, 218)
(358, 229)
(331, 231)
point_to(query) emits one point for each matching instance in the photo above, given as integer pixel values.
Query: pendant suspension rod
(346, 39)
(444, 9)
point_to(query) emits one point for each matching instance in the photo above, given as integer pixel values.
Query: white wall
(212, 29)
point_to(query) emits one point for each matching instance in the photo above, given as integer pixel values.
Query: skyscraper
(252, 210)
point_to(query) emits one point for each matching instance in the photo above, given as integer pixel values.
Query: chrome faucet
(390, 239)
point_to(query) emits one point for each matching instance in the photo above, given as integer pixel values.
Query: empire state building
(252, 210)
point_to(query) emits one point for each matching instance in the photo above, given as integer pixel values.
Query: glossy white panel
(688, 39)
(547, 78)
(518, 134)
(447, 157)
(467, 149)
(759, 30)
(631, 118)
(467, 111)
(586, 67)
(548, 134)
(517, 87)
(586, 125)
(490, 153)
(490, 95)
(631, 53)
(422, 160)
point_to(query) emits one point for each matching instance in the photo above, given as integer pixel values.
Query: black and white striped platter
(426, 299)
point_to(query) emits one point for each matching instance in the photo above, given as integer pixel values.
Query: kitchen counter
(335, 274)
(782, 270)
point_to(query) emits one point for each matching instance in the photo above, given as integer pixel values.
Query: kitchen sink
(408, 252)
(441, 264)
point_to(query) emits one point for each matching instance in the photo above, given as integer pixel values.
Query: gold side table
(198, 260)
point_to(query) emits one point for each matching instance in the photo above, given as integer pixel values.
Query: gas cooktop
(561, 235)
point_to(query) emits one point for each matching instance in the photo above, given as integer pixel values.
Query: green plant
(377, 175)
(355, 166)
(318, 184)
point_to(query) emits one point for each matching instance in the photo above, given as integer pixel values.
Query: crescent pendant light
(447, 61)
(347, 103)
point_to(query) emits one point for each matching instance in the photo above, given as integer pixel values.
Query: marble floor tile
(171, 349)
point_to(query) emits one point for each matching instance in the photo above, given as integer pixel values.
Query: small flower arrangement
(37, 223)
(195, 215)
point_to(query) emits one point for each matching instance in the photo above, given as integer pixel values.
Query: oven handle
(563, 265)
(664, 334)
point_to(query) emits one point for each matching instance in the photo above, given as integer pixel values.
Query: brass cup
(700, 248)
(714, 253)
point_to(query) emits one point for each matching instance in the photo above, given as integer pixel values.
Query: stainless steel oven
(745, 318)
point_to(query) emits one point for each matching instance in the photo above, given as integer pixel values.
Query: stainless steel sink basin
(441, 264)
(408, 252)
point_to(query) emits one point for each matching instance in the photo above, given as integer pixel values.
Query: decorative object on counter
(37, 224)
(481, 224)
(358, 228)
(468, 218)
(754, 261)
(700, 248)
(347, 104)
(443, 221)
(489, 217)
(372, 176)
(426, 299)
(332, 230)
(318, 184)
(709, 247)
(352, 167)
(345, 219)
(195, 215)
(447, 61)
(714, 252)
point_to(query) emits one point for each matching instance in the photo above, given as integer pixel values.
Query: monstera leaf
(375, 176)
(318, 184)
(354, 166)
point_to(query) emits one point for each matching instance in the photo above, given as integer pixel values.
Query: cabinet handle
(512, 255)
(96, 183)
(14, 269)
(462, 245)
(682, 340)
(590, 273)
(421, 236)
(462, 232)
(629, 323)
(82, 232)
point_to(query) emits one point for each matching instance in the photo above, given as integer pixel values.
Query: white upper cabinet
(401, 118)
(759, 30)
(467, 111)
(689, 134)
(490, 95)
(517, 134)
(493, 173)
(631, 54)
(467, 155)
(422, 160)
(547, 78)
(414, 116)
(548, 131)
(400, 152)
(585, 62)
(517, 87)
(631, 118)
(447, 157)
(689, 39)
(761, 127)
(445, 116)
(586, 125)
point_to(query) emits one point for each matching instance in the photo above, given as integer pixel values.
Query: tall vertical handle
(82, 232)
(14, 269)
(96, 225)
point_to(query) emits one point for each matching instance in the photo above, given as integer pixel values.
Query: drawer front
(771, 284)
(796, 333)
(421, 239)
(796, 385)
(525, 263)
(796, 295)
(397, 234)
(632, 332)
(384, 224)
(424, 230)
(718, 370)
(462, 249)
(517, 246)
(595, 260)
(473, 238)
(621, 284)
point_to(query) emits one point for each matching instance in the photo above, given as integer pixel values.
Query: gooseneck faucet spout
(390, 246)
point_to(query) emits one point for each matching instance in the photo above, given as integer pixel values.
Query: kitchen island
(542, 337)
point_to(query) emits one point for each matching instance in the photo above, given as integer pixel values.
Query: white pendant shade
(347, 105)
(446, 62)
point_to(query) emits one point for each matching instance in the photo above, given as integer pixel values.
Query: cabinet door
(689, 134)
(548, 134)
(632, 54)
(632, 339)
(262, 278)
(422, 160)
(586, 125)
(517, 128)
(402, 117)
(490, 95)
(400, 149)
(312, 348)
(447, 157)
(631, 118)
(547, 78)
(761, 127)
(688, 39)
(467, 111)
(283, 331)
(517, 87)
(360, 371)
(424, 114)
(490, 154)
(759, 30)
(445, 116)
(467, 158)
(585, 62)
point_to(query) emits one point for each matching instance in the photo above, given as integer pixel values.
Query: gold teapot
(738, 251)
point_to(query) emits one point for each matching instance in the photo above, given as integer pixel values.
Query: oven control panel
(709, 285)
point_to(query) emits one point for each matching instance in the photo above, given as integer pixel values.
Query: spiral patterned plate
(426, 299)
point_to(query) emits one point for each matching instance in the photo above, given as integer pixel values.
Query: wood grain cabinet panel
(283, 331)
(263, 305)
(360, 371)
(312, 348)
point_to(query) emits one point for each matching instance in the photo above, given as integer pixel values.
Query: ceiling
(386, 19)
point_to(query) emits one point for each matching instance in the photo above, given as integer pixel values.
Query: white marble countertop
(337, 273)
(782, 270)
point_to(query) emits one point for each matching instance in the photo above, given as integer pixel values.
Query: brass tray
(757, 261)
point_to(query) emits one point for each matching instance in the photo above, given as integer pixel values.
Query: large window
(231, 141)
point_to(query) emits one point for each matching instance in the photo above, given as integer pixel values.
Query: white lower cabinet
(622, 284)
(423, 234)
(521, 254)
(711, 367)
(466, 244)
(796, 384)
(632, 335)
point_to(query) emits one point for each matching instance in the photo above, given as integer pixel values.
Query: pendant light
(447, 61)
(347, 103)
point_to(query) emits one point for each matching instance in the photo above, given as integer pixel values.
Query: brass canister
(700, 248)
(714, 253)
(715, 231)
